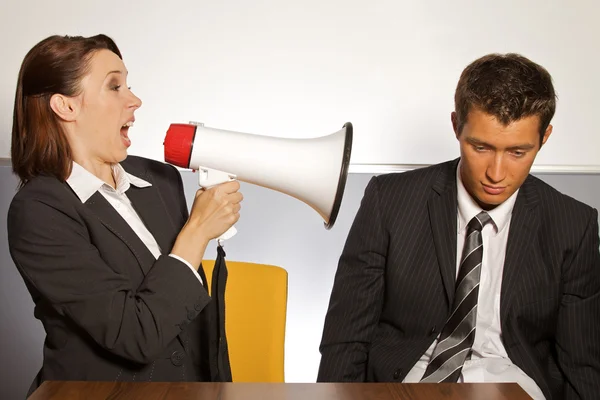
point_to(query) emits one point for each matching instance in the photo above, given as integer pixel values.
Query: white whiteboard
(304, 68)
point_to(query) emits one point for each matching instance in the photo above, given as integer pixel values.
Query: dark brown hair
(507, 86)
(55, 65)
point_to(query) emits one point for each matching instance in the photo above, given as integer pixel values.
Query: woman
(104, 241)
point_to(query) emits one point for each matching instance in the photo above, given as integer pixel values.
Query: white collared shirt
(85, 184)
(489, 361)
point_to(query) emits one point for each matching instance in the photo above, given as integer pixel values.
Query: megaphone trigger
(209, 177)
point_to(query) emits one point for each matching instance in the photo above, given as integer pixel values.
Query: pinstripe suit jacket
(111, 311)
(394, 285)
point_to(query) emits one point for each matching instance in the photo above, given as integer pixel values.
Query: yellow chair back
(255, 312)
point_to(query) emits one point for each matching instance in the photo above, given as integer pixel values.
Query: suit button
(191, 314)
(197, 307)
(177, 358)
(397, 373)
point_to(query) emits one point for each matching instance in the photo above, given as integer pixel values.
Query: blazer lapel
(152, 211)
(442, 207)
(111, 219)
(150, 207)
(524, 222)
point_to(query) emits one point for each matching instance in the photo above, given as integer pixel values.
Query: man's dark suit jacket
(394, 285)
(111, 311)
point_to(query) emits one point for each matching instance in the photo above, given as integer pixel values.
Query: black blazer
(394, 285)
(111, 311)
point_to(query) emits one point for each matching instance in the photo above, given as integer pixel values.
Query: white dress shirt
(489, 361)
(85, 184)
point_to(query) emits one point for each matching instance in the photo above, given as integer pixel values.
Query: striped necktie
(457, 337)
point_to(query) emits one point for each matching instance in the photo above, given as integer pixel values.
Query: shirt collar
(468, 208)
(85, 184)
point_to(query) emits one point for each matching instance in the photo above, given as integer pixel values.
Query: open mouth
(125, 133)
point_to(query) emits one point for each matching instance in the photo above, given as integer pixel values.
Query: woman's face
(106, 107)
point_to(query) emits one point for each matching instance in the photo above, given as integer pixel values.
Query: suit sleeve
(357, 295)
(578, 325)
(52, 249)
(184, 216)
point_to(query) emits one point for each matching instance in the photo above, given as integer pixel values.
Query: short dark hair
(507, 86)
(56, 65)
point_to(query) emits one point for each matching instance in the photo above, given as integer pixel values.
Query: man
(473, 270)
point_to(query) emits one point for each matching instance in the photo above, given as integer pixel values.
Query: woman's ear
(65, 107)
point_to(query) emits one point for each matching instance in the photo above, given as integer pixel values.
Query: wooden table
(277, 391)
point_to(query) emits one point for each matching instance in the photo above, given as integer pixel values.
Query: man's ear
(65, 107)
(546, 134)
(454, 119)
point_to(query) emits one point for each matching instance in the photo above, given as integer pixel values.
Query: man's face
(496, 159)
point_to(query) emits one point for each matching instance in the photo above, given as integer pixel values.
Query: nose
(496, 170)
(135, 102)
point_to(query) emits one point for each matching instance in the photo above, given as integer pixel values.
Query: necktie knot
(478, 222)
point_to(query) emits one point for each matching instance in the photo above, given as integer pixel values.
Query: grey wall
(274, 229)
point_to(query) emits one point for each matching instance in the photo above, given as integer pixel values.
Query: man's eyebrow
(524, 146)
(479, 142)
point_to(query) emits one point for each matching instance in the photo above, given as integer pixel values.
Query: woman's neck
(102, 170)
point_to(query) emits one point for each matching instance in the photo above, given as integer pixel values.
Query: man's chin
(489, 202)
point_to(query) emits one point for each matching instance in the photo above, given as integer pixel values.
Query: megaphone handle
(208, 178)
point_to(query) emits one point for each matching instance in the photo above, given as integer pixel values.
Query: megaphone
(313, 171)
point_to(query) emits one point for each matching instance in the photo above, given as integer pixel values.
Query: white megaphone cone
(313, 171)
